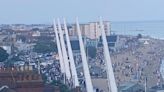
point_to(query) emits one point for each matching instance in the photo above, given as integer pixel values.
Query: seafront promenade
(139, 62)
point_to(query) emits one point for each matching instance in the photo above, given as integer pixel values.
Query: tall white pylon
(64, 52)
(87, 76)
(110, 75)
(62, 65)
(70, 53)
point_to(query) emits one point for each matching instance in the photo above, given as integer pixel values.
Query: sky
(44, 11)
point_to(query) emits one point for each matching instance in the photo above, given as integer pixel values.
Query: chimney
(26, 67)
(22, 68)
(30, 68)
(18, 68)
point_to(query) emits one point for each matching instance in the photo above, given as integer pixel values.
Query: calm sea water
(154, 29)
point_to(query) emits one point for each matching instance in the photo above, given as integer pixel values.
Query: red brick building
(25, 80)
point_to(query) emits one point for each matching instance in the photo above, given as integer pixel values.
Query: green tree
(45, 47)
(10, 62)
(3, 55)
(139, 36)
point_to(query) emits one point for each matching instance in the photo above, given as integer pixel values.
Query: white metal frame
(61, 61)
(64, 52)
(71, 59)
(87, 76)
(110, 74)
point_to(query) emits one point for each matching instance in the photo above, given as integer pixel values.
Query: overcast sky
(43, 11)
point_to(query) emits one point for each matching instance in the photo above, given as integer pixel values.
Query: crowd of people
(138, 62)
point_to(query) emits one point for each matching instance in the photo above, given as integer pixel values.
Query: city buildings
(90, 30)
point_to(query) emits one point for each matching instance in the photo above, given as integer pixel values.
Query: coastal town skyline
(81, 46)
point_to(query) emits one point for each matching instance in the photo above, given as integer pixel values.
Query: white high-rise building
(90, 30)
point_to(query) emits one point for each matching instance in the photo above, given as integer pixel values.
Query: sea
(154, 29)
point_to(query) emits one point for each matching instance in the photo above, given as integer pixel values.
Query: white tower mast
(110, 74)
(62, 65)
(70, 53)
(87, 76)
(65, 57)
